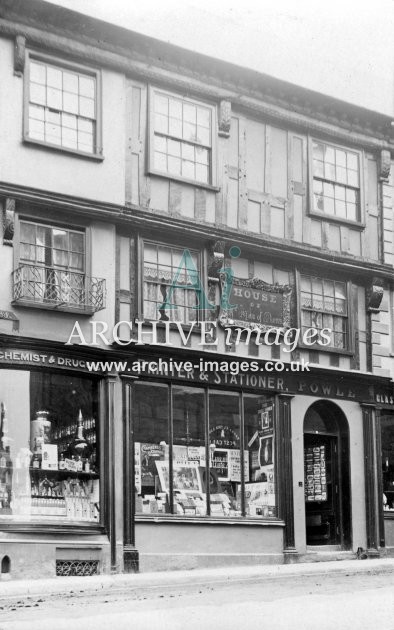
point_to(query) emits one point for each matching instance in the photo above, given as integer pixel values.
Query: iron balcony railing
(35, 285)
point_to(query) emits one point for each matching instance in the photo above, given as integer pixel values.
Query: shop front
(51, 465)
(241, 468)
(107, 472)
(385, 445)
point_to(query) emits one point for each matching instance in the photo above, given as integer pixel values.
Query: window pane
(37, 94)
(260, 490)
(37, 72)
(70, 102)
(85, 141)
(351, 211)
(340, 208)
(53, 134)
(174, 148)
(175, 108)
(318, 168)
(189, 454)
(202, 173)
(175, 127)
(317, 287)
(352, 161)
(87, 86)
(160, 161)
(174, 165)
(28, 232)
(151, 451)
(54, 78)
(387, 442)
(36, 129)
(224, 432)
(150, 253)
(54, 98)
(36, 112)
(86, 107)
(306, 283)
(329, 171)
(329, 154)
(318, 151)
(52, 461)
(188, 170)
(352, 178)
(161, 104)
(161, 124)
(203, 135)
(70, 82)
(76, 242)
(69, 138)
(160, 144)
(340, 158)
(189, 132)
(188, 151)
(341, 175)
(189, 113)
(201, 155)
(69, 121)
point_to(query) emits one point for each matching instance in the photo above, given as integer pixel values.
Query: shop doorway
(327, 476)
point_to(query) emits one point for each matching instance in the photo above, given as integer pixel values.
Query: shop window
(51, 269)
(336, 181)
(189, 462)
(387, 437)
(49, 448)
(181, 137)
(324, 304)
(169, 292)
(62, 107)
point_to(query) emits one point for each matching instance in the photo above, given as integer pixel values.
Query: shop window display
(49, 465)
(387, 436)
(190, 446)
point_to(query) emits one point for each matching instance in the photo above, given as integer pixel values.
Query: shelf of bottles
(56, 476)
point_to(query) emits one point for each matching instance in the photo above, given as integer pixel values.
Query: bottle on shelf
(62, 463)
(80, 445)
(36, 461)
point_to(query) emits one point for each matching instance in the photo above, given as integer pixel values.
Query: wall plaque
(256, 304)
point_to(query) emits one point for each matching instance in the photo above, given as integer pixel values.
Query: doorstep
(25, 592)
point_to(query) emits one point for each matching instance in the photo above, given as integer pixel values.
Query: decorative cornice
(224, 119)
(374, 295)
(219, 81)
(139, 218)
(384, 164)
(8, 220)
(19, 54)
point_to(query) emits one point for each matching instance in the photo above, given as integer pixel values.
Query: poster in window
(266, 451)
(149, 455)
(185, 477)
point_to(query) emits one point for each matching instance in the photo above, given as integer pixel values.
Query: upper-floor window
(336, 181)
(62, 106)
(52, 246)
(52, 270)
(181, 137)
(324, 304)
(168, 274)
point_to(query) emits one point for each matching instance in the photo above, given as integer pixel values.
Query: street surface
(317, 602)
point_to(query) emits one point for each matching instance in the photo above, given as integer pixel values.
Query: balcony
(57, 289)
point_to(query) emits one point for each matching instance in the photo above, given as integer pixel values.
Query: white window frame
(169, 246)
(55, 62)
(360, 221)
(212, 174)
